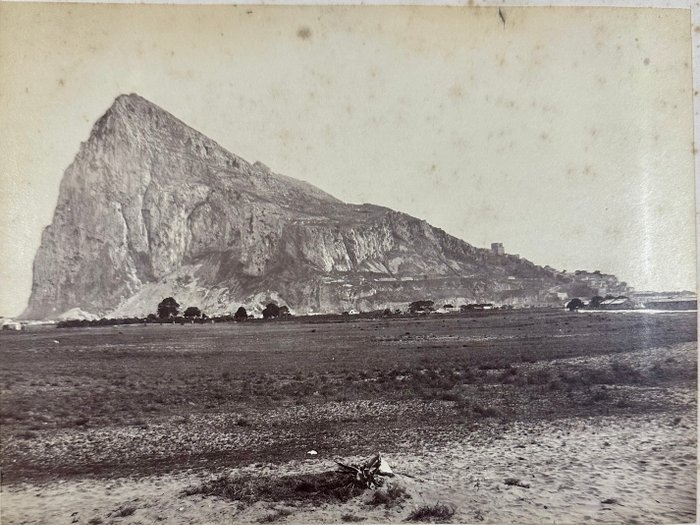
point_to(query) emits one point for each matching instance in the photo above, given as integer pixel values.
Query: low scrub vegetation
(325, 487)
(351, 518)
(438, 512)
(275, 516)
(125, 511)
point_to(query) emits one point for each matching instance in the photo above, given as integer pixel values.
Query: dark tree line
(421, 306)
(595, 302)
(272, 311)
(169, 308)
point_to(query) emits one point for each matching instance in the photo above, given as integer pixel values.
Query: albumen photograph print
(346, 264)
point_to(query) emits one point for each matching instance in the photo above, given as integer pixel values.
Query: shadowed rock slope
(150, 208)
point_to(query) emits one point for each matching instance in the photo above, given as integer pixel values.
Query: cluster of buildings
(658, 302)
(10, 324)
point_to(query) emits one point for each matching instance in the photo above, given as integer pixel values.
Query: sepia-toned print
(334, 264)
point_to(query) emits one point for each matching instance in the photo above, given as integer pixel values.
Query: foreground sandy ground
(602, 470)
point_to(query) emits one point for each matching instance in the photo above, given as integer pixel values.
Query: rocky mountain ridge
(150, 207)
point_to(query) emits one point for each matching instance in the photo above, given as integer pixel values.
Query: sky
(564, 133)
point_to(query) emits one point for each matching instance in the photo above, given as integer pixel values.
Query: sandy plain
(503, 417)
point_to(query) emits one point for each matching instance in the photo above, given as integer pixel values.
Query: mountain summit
(150, 208)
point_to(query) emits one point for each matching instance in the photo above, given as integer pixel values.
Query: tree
(271, 311)
(284, 311)
(595, 301)
(420, 306)
(240, 315)
(192, 312)
(168, 308)
(574, 304)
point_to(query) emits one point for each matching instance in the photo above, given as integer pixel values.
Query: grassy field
(143, 400)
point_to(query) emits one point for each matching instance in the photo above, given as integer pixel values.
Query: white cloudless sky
(565, 133)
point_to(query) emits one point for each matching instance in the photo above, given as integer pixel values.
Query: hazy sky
(564, 133)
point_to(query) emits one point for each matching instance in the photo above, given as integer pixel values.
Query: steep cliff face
(150, 208)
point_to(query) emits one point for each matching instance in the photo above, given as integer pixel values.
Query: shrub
(351, 518)
(192, 312)
(476, 409)
(539, 377)
(324, 487)
(515, 482)
(508, 375)
(437, 512)
(275, 516)
(449, 395)
(123, 512)
(485, 411)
